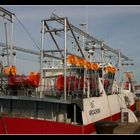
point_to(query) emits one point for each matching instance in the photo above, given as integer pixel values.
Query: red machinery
(72, 83)
(20, 80)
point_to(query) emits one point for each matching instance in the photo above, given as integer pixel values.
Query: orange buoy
(95, 66)
(108, 68)
(113, 70)
(72, 59)
(6, 70)
(88, 65)
(81, 62)
(13, 70)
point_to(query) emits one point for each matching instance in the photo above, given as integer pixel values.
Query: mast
(102, 60)
(65, 56)
(6, 39)
(11, 42)
(41, 59)
(119, 74)
(9, 17)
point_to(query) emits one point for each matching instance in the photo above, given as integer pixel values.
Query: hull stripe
(33, 126)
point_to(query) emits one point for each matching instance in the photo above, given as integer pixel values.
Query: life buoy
(95, 66)
(72, 59)
(108, 68)
(113, 70)
(88, 65)
(81, 62)
(13, 70)
(6, 70)
(127, 74)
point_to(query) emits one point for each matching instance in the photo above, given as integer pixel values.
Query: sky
(118, 26)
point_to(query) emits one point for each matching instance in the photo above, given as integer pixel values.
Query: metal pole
(65, 56)
(41, 59)
(74, 113)
(5, 23)
(11, 45)
(1, 65)
(119, 74)
(82, 26)
(88, 84)
(102, 60)
(15, 60)
(85, 71)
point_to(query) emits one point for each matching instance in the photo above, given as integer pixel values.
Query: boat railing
(81, 80)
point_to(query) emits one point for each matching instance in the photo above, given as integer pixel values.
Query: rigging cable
(61, 34)
(29, 34)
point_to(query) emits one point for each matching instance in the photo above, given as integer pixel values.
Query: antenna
(87, 18)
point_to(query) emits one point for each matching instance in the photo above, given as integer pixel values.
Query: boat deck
(27, 98)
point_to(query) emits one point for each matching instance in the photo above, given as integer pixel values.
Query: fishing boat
(69, 94)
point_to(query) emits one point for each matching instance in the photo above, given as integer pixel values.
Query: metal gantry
(89, 37)
(68, 27)
(6, 14)
(10, 17)
(45, 29)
